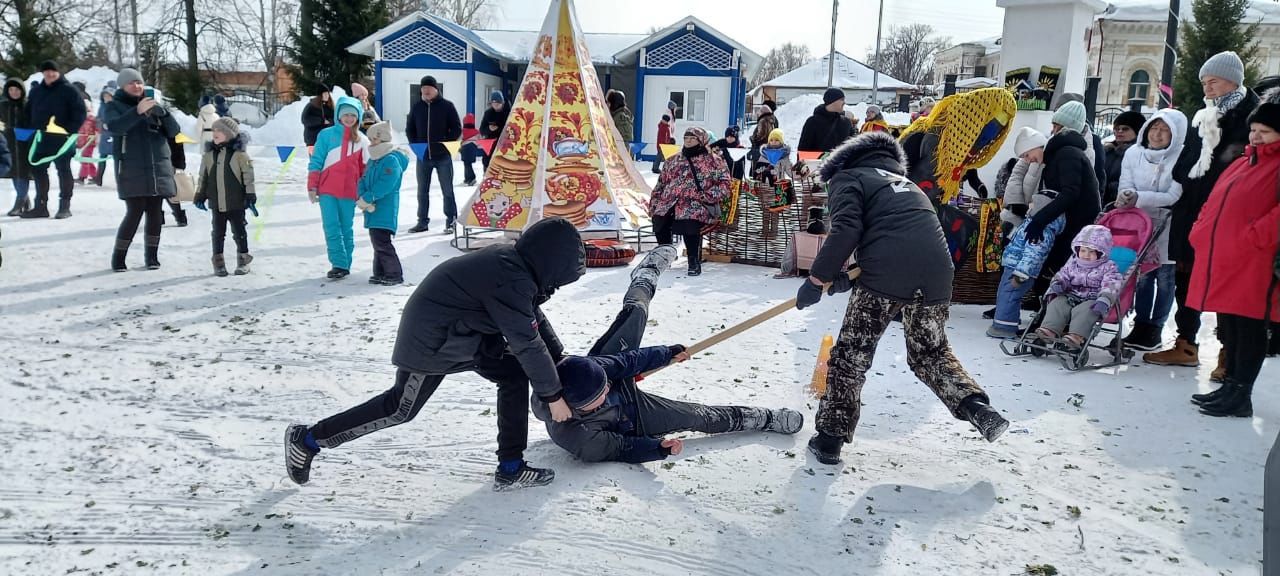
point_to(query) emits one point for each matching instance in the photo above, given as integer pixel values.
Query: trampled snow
(141, 417)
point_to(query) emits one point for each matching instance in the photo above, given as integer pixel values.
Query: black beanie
(582, 379)
(831, 95)
(1268, 111)
(1132, 119)
(428, 81)
(49, 65)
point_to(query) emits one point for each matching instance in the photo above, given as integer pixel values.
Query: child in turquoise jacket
(337, 163)
(379, 199)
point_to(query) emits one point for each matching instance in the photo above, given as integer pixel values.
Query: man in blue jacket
(434, 121)
(54, 99)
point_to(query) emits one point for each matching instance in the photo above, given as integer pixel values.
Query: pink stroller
(1133, 252)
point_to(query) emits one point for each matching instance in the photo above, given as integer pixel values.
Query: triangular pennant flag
(486, 145)
(419, 149)
(182, 138)
(669, 150)
(636, 148)
(54, 128)
(737, 153)
(808, 155)
(453, 147)
(23, 134)
(773, 155)
(284, 152)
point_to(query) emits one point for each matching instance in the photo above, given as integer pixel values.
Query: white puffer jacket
(1024, 181)
(1150, 173)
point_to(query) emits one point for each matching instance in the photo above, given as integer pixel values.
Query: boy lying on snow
(613, 420)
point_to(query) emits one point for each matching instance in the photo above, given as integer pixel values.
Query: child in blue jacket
(379, 199)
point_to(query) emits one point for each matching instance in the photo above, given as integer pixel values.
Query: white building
(852, 76)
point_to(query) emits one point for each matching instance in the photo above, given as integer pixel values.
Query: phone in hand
(149, 93)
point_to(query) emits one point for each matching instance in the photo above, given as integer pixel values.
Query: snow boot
(1214, 396)
(989, 314)
(1219, 373)
(523, 477)
(152, 252)
(40, 209)
(784, 421)
(983, 417)
(297, 455)
(118, 255)
(1144, 337)
(337, 273)
(826, 448)
(1002, 331)
(219, 265)
(242, 263)
(1183, 353)
(180, 216)
(1237, 402)
(20, 205)
(64, 209)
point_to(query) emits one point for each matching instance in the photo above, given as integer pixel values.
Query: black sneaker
(1144, 337)
(420, 227)
(297, 456)
(525, 477)
(448, 228)
(337, 273)
(826, 448)
(989, 314)
(983, 417)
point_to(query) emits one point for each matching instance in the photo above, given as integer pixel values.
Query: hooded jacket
(204, 124)
(13, 114)
(876, 211)
(765, 124)
(1236, 239)
(144, 165)
(380, 186)
(315, 117)
(59, 101)
(6, 162)
(1024, 181)
(339, 157)
(612, 432)
(434, 122)
(625, 122)
(1096, 280)
(226, 176)
(824, 131)
(1068, 172)
(492, 116)
(479, 303)
(1150, 173)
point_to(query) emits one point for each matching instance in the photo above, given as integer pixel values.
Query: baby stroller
(1133, 241)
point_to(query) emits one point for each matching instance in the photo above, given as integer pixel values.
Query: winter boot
(219, 265)
(64, 209)
(242, 263)
(826, 448)
(180, 216)
(1183, 353)
(1145, 337)
(337, 273)
(523, 477)
(784, 421)
(118, 255)
(20, 205)
(983, 417)
(297, 454)
(40, 209)
(152, 252)
(1219, 373)
(1214, 396)
(1237, 402)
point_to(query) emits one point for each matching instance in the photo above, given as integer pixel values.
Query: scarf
(1207, 122)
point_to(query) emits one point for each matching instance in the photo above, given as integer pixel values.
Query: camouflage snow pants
(928, 353)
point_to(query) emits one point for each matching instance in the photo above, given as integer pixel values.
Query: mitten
(1100, 307)
(200, 204)
(1035, 232)
(808, 295)
(676, 349)
(841, 283)
(250, 199)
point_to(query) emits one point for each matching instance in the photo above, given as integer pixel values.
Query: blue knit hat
(496, 96)
(1070, 116)
(582, 379)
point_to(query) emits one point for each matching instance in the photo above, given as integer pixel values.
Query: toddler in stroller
(1082, 291)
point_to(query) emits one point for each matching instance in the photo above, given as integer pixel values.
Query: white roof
(1264, 11)
(850, 74)
(517, 45)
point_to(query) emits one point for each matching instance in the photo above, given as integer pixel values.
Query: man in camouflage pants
(906, 268)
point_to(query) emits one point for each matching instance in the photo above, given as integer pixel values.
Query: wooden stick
(747, 324)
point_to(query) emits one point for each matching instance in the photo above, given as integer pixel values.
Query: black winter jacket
(824, 131)
(887, 220)
(143, 158)
(5, 162)
(475, 304)
(612, 432)
(315, 117)
(1068, 172)
(13, 114)
(435, 122)
(1195, 191)
(1115, 158)
(492, 116)
(60, 101)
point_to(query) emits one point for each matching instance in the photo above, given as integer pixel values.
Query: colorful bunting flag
(284, 152)
(182, 138)
(54, 128)
(419, 149)
(737, 153)
(453, 147)
(669, 150)
(23, 134)
(773, 155)
(808, 155)
(486, 145)
(637, 148)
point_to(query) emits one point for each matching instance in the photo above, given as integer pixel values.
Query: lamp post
(1170, 56)
(875, 69)
(831, 56)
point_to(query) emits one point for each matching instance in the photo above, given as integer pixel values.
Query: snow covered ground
(141, 416)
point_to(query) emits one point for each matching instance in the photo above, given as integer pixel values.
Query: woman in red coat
(1238, 231)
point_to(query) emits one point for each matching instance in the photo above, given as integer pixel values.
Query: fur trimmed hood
(859, 149)
(237, 144)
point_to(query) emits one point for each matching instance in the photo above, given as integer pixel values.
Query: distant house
(701, 69)
(852, 76)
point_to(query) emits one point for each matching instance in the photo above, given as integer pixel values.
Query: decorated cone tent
(559, 154)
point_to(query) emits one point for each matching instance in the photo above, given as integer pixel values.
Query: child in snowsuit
(1083, 290)
(475, 312)
(666, 135)
(773, 173)
(337, 163)
(227, 187)
(470, 150)
(86, 141)
(613, 420)
(380, 202)
(879, 213)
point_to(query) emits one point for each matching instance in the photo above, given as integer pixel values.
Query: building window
(1139, 85)
(697, 102)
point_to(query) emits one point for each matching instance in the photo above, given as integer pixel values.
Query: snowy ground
(141, 415)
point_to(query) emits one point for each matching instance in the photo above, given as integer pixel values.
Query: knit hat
(496, 96)
(582, 380)
(1134, 120)
(776, 134)
(1070, 116)
(49, 65)
(832, 95)
(1268, 111)
(359, 91)
(227, 125)
(700, 133)
(731, 131)
(1028, 139)
(127, 76)
(380, 132)
(428, 81)
(1225, 65)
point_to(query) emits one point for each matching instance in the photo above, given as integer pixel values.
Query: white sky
(763, 24)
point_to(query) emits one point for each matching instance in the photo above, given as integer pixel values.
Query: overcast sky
(763, 24)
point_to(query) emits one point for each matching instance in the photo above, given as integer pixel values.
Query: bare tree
(472, 14)
(907, 52)
(397, 9)
(34, 30)
(261, 28)
(781, 60)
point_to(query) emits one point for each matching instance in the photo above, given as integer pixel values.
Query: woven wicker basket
(760, 238)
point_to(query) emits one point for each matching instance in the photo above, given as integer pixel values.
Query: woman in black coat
(142, 128)
(1068, 172)
(13, 115)
(317, 116)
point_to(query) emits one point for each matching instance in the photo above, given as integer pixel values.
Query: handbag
(185, 185)
(713, 209)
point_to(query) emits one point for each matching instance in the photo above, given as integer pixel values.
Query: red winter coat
(1236, 237)
(664, 133)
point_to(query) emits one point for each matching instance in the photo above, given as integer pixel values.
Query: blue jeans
(1155, 296)
(20, 187)
(337, 214)
(443, 167)
(1009, 299)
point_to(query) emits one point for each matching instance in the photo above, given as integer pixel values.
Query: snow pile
(793, 114)
(285, 127)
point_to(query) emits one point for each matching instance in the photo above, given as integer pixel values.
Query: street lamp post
(831, 56)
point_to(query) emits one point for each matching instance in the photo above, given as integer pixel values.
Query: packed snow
(141, 417)
(793, 114)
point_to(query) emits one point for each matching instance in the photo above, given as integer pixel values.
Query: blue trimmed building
(689, 62)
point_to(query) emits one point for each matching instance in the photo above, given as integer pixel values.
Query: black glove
(1019, 209)
(841, 283)
(1035, 232)
(251, 199)
(808, 295)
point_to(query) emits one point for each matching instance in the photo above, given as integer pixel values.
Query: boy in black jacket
(476, 312)
(879, 213)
